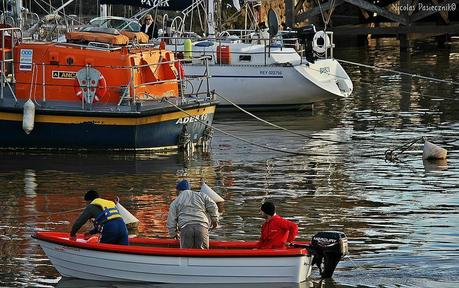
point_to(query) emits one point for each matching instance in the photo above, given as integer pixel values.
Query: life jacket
(109, 212)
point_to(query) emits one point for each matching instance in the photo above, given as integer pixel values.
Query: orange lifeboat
(97, 91)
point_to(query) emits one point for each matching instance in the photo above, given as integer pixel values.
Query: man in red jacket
(276, 232)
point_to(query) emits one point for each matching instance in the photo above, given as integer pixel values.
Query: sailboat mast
(210, 19)
(19, 13)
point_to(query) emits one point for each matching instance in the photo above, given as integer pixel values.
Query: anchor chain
(392, 154)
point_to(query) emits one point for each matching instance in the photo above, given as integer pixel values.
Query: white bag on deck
(211, 193)
(125, 214)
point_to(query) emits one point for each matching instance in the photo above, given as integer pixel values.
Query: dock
(406, 20)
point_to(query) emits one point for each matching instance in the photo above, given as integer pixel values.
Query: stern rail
(8, 40)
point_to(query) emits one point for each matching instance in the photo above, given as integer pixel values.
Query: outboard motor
(328, 248)
(305, 37)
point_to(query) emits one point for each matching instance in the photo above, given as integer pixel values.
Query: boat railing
(7, 54)
(330, 46)
(287, 39)
(129, 91)
(180, 80)
(100, 45)
(94, 45)
(7, 18)
(270, 47)
(30, 20)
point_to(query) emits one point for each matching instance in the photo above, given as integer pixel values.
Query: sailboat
(251, 68)
(256, 69)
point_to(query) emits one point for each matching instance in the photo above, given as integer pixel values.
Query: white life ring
(320, 48)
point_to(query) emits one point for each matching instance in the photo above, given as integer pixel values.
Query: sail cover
(173, 5)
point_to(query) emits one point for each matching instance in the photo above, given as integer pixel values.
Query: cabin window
(245, 58)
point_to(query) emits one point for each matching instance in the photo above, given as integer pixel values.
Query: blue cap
(183, 185)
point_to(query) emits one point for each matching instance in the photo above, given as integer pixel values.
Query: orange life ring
(179, 66)
(101, 88)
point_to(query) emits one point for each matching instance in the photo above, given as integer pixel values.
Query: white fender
(237, 5)
(211, 193)
(125, 214)
(320, 48)
(432, 151)
(28, 118)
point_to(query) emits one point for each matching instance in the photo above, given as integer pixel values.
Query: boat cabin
(103, 64)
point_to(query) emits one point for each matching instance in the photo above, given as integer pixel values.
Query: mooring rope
(240, 138)
(46, 214)
(400, 72)
(391, 154)
(275, 125)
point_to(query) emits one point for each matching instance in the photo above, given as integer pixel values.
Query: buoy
(432, 151)
(211, 193)
(28, 117)
(188, 49)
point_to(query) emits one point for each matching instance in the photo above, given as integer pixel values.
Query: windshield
(119, 24)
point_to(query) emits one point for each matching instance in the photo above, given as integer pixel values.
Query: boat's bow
(329, 75)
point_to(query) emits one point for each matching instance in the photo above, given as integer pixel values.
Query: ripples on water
(401, 218)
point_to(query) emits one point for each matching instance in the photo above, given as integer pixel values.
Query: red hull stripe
(169, 247)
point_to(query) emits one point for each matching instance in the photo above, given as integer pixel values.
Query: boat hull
(97, 131)
(271, 87)
(175, 265)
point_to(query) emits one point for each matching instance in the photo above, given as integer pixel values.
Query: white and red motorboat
(162, 261)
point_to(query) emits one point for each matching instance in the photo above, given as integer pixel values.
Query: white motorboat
(257, 69)
(161, 260)
(253, 69)
(259, 77)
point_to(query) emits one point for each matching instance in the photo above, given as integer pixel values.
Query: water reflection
(435, 165)
(30, 184)
(91, 163)
(401, 218)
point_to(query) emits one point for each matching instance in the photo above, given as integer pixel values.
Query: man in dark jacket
(149, 27)
(107, 220)
(276, 232)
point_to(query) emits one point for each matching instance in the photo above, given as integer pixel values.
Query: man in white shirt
(188, 216)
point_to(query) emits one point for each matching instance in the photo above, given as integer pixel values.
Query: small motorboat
(163, 261)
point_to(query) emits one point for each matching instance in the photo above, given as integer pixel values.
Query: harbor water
(401, 218)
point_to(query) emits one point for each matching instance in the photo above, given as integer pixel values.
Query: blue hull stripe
(92, 136)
